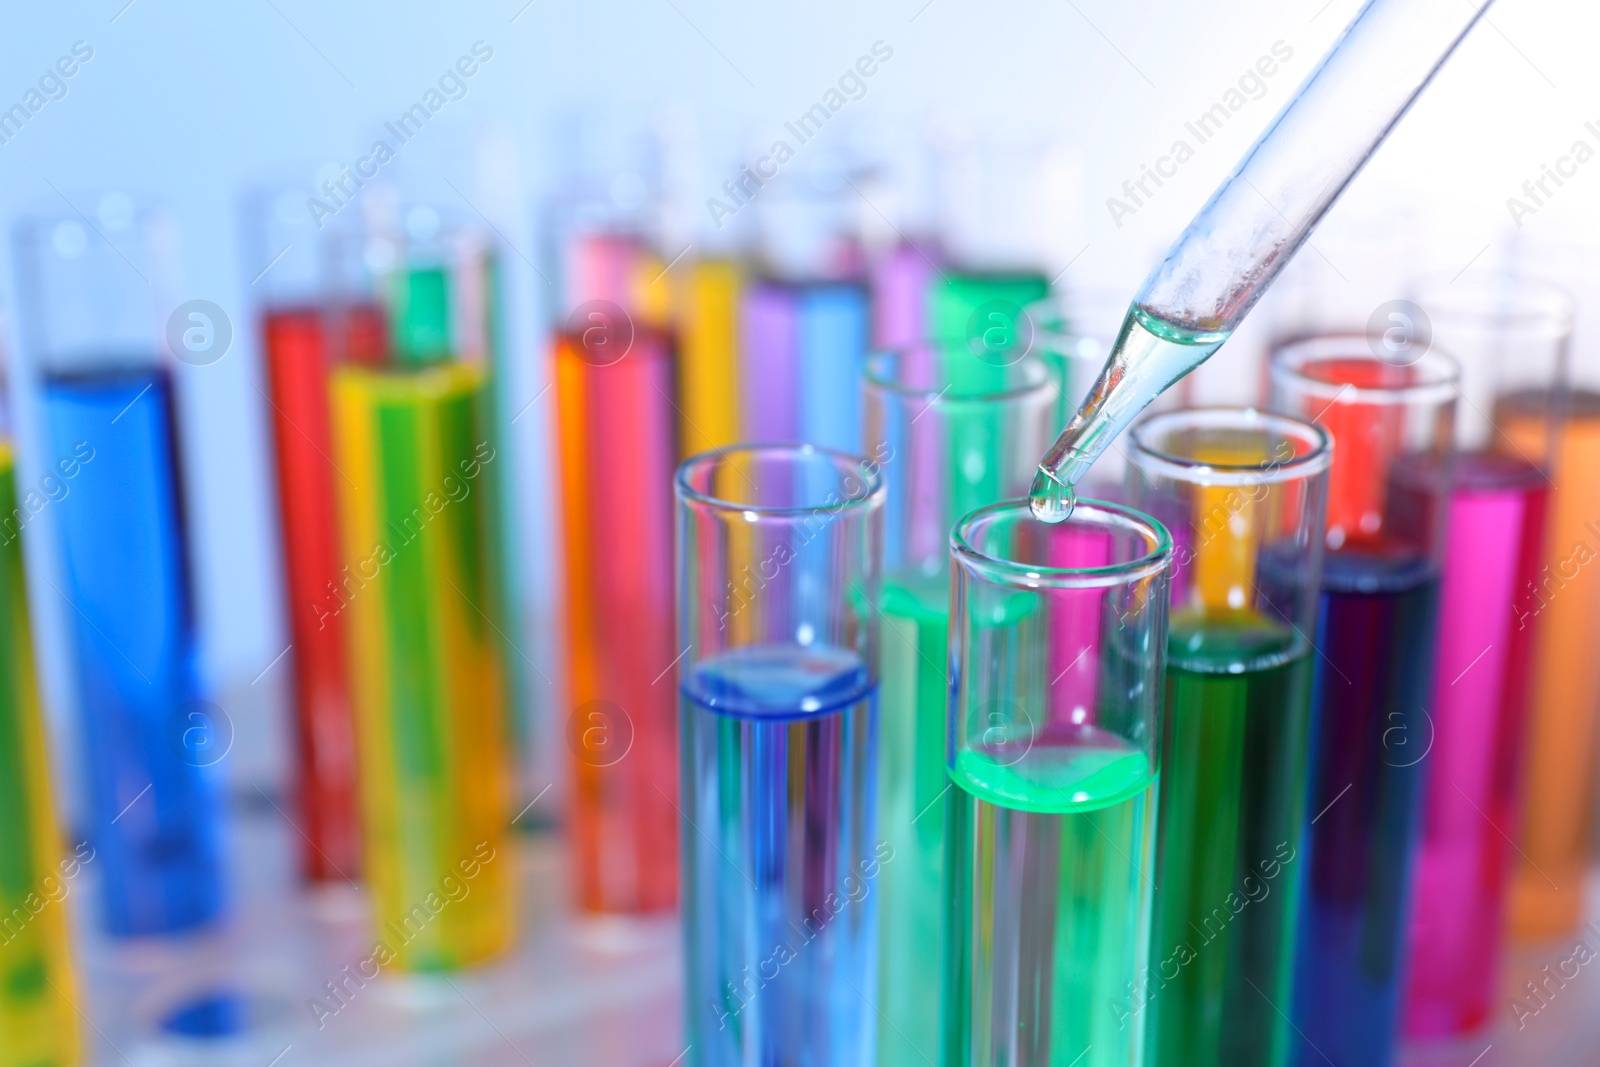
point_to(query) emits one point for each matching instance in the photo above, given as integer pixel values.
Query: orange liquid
(1558, 767)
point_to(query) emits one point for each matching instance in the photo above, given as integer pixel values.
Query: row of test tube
(1268, 824)
(382, 377)
(382, 365)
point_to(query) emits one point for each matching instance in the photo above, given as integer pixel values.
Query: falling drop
(1050, 499)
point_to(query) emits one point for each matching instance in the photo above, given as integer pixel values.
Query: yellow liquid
(414, 459)
(38, 1023)
(708, 366)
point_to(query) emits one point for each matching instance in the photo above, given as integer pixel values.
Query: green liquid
(912, 784)
(421, 316)
(981, 311)
(1233, 763)
(1048, 903)
(1148, 357)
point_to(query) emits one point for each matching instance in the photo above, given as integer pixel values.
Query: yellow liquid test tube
(413, 451)
(38, 1023)
(708, 361)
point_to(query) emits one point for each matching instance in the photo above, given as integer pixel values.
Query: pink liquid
(1075, 626)
(1497, 513)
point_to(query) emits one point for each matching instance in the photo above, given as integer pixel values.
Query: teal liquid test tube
(955, 433)
(983, 307)
(1051, 820)
(1244, 494)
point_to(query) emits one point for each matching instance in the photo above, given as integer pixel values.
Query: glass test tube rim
(1520, 303)
(882, 372)
(1101, 514)
(1286, 364)
(844, 464)
(1147, 457)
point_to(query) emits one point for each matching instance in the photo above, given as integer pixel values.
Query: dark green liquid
(1233, 770)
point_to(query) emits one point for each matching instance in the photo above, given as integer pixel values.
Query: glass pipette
(1256, 221)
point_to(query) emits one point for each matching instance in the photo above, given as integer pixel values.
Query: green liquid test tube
(954, 433)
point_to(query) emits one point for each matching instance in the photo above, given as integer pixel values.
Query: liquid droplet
(1050, 499)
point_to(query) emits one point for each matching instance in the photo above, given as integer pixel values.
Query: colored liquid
(981, 313)
(708, 374)
(38, 1024)
(420, 316)
(832, 348)
(1047, 902)
(153, 813)
(1371, 729)
(804, 346)
(618, 448)
(425, 670)
(769, 324)
(1496, 541)
(1233, 780)
(781, 856)
(1149, 355)
(901, 284)
(1564, 604)
(297, 363)
(913, 652)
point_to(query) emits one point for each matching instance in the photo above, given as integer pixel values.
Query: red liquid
(1480, 693)
(618, 448)
(297, 363)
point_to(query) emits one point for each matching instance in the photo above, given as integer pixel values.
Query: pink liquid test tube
(1510, 340)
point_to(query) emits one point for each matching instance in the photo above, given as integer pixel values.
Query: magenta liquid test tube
(1510, 340)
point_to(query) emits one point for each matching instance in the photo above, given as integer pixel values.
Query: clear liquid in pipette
(1149, 356)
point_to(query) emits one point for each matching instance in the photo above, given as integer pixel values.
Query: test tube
(1559, 601)
(94, 308)
(770, 384)
(38, 1019)
(805, 343)
(709, 373)
(902, 278)
(1372, 691)
(416, 461)
(304, 329)
(1511, 341)
(982, 305)
(1244, 494)
(1050, 824)
(617, 443)
(950, 440)
(779, 550)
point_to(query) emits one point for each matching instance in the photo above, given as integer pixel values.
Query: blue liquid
(780, 858)
(1377, 633)
(132, 634)
(832, 349)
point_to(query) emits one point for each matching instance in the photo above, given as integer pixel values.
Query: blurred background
(1015, 136)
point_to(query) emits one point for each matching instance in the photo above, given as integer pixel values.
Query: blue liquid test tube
(149, 740)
